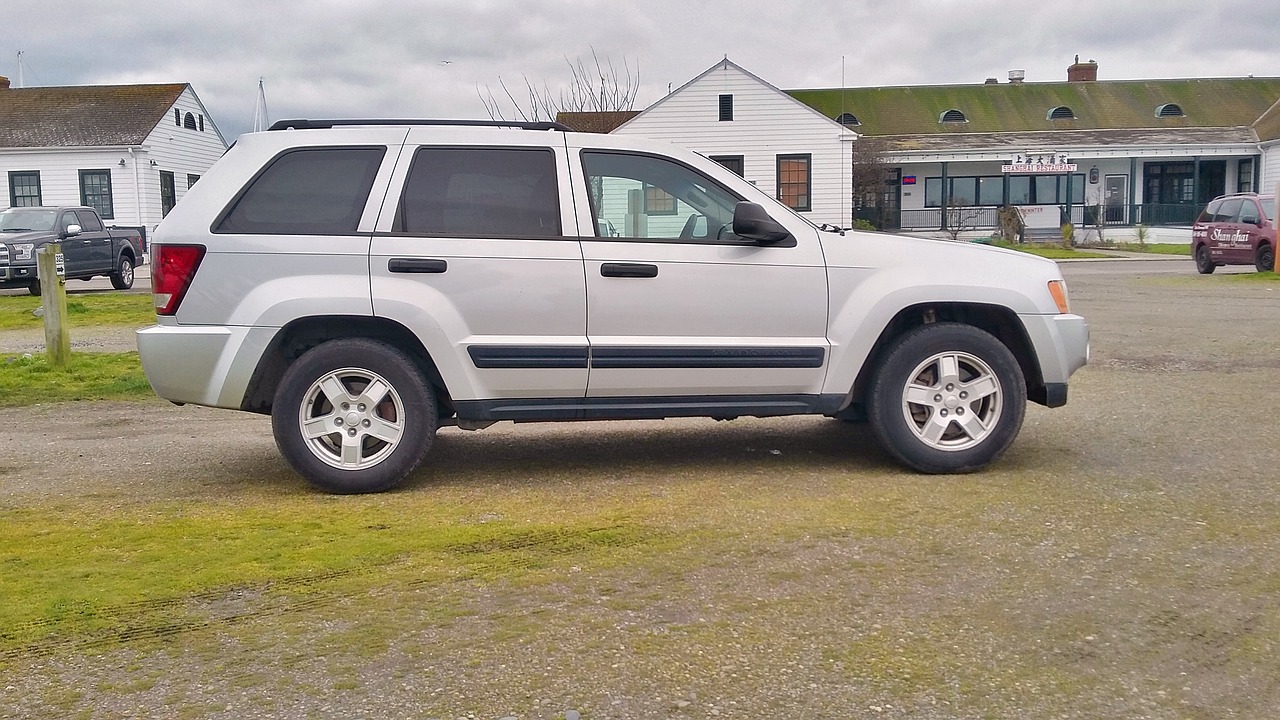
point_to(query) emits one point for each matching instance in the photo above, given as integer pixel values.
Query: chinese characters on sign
(1041, 163)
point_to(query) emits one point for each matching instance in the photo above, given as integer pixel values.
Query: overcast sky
(427, 58)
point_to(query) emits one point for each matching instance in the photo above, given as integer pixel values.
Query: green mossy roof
(1006, 107)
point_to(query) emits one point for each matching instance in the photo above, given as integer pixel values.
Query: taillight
(172, 269)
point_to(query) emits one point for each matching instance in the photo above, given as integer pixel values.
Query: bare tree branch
(598, 87)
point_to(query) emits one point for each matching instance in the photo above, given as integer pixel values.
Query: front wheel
(34, 288)
(1265, 259)
(947, 398)
(122, 278)
(354, 416)
(1204, 263)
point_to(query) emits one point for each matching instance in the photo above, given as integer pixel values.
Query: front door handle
(417, 265)
(629, 270)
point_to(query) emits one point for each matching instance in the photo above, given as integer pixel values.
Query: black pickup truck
(88, 247)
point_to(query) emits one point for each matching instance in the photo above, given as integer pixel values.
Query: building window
(1170, 110)
(1244, 175)
(191, 180)
(177, 117)
(953, 116)
(848, 120)
(658, 201)
(735, 163)
(24, 188)
(1062, 112)
(201, 118)
(95, 192)
(168, 194)
(1170, 183)
(988, 190)
(794, 181)
(189, 122)
(726, 107)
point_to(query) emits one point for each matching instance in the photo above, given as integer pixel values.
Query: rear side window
(310, 191)
(1228, 211)
(1209, 212)
(481, 192)
(89, 222)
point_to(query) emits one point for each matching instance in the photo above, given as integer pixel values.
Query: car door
(1227, 241)
(680, 306)
(77, 250)
(1249, 223)
(98, 240)
(478, 254)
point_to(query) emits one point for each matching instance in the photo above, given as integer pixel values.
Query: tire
(378, 441)
(1204, 263)
(122, 278)
(1265, 259)
(34, 288)
(917, 400)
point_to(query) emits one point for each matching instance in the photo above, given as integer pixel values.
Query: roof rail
(302, 124)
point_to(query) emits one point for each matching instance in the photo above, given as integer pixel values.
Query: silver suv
(365, 282)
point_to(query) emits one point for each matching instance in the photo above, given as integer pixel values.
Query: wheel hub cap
(952, 401)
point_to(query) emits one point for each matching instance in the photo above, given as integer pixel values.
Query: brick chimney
(1082, 71)
(4, 83)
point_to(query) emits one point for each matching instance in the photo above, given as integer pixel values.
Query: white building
(129, 151)
(781, 145)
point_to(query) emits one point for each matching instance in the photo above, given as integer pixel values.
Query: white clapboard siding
(1270, 167)
(766, 123)
(180, 151)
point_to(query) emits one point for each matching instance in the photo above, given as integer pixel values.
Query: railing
(987, 217)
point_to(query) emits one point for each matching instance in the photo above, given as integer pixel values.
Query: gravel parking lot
(1120, 561)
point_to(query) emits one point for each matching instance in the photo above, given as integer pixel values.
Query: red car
(1236, 229)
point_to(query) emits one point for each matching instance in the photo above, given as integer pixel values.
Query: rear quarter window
(309, 191)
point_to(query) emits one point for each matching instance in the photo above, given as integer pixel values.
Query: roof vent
(953, 116)
(1017, 76)
(1170, 110)
(991, 81)
(1062, 112)
(848, 120)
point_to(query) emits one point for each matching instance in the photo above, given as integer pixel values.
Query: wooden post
(53, 297)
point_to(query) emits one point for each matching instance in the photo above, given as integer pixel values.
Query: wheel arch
(301, 335)
(999, 321)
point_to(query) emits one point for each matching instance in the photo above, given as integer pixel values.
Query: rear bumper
(202, 365)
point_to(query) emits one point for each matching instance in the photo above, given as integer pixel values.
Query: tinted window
(1269, 208)
(89, 222)
(1228, 210)
(1249, 213)
(70, 218)
(320, 191)
(1210, 211)
(477, 192)
(622, 189)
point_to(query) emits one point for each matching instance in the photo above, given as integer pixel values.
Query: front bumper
(17, 274)
(1061, 343)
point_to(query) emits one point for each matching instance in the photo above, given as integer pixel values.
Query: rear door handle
(417, 265)
(629, 270)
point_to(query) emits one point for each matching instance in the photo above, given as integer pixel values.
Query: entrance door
(1115, 198)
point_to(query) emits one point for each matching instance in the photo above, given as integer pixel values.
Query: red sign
(908, 179)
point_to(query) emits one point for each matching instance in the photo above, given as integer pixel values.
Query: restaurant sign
(1039, 163)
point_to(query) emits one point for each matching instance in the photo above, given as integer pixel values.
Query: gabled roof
(83, 116)
(726, 64)
(1025, 107)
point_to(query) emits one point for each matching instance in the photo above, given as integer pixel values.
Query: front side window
(794, 181)
(481, 192)
(309, 191)
(95, 191)
(620, 183)
(24, 189)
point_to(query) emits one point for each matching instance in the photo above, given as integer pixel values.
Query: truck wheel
(122, 278)
(1204, 263)
(947, 398)
(1265, 259)
(354, 416)
(34, 288)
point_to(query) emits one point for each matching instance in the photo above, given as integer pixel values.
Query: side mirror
(72, 231)
(753, 223)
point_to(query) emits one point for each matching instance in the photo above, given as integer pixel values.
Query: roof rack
(302, 124)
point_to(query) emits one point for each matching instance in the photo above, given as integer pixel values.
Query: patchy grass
(1153, 248)
(1253, 278)
(83, 310)
(1053, 252)
(30, 379)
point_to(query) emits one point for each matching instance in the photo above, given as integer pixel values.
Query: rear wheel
(1265, 259)
(947, 398)
(354, 416)
(122, 278)
(1204, 263)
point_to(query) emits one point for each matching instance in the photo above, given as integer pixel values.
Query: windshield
(22, 219)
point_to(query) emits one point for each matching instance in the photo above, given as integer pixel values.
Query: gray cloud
(383, 58)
